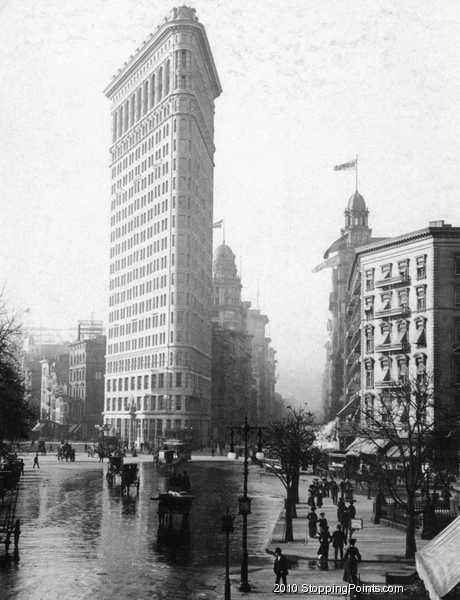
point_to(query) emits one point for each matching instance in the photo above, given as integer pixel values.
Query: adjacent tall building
(339, 256)
(404, 320)
(159, 338)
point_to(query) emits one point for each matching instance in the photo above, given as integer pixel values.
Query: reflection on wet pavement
(81, 539)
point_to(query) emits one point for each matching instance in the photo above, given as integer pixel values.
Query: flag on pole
(348, 165)
(218, 224)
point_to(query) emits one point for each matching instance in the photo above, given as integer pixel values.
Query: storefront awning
(437, 563)
(74, 428)
(364, 446)
(38, 427)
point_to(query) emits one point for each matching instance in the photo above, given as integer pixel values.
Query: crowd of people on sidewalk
(318, 526)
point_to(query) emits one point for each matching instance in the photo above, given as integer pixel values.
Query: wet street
(81, 539)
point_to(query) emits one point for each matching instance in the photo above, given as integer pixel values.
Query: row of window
(151, 92)
(401, 364)
(151, 341)
(401, 270)
(397, 333)
(160, 403)
(178, 358)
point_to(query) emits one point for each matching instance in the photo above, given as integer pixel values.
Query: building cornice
(155, 39)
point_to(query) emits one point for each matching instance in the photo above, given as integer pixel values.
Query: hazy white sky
(306, 84)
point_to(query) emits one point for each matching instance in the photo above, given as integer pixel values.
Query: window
(402, 332)
(178, 403)
(126, 384)
(403, 298)
(420, 363)
(133, 383)
(146, 382)
(456, 370)
(369, 366)
(369, 333)
(457, 265)
(421, 297)
(179, 379)
(386, 406)
(108, 385)
(385, 329)
(457, 296)
(139, 382)
(369, 307)
(385, 365)
(456, 331)
(420, 325)
(369, 277)
(161, 380)
(403, 268)
(386, 270)
(403, 369)
(421, 266)
(386, 300)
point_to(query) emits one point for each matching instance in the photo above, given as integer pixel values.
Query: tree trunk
(290, 514)
(411, 545)
(295, 485)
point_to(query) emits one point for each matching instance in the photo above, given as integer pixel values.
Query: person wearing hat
(322, 522)
(352, 558)
(338, 542)
(280, 566)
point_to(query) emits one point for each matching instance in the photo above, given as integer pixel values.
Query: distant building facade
(263, 365)
(86, 384)
(404, 318)
(54, 389)
(158, 375)
(231, 349)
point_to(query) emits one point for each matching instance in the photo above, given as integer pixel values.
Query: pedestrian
(280, 567)
(311, 502)
(334, 491)
(312, 518)
(323, 551)
(342, 486)
(322, 522)
(338, 542)
(351, 559)
(340, 509)
(36, 463)
(319, 498)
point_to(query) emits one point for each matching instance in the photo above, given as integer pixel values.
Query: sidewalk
(382, 548)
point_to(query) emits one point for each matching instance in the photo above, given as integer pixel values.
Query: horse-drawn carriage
(126, 474)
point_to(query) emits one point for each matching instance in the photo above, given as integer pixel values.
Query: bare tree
(289, 441)
(403, 423)
(15, 414)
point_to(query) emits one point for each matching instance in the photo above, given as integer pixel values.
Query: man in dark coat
(312, 518)
(338, 542)
(334, 491)
(322, 522)
(280, 566)
(352, 558)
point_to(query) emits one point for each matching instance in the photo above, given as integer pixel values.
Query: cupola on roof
(224, 264)
(356, 203)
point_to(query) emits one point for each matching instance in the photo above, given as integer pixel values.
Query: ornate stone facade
(159, 337)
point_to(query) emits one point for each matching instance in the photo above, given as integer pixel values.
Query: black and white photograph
(230, 299)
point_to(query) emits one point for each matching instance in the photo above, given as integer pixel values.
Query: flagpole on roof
(356, 173)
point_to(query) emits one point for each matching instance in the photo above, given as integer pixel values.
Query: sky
(306, 85)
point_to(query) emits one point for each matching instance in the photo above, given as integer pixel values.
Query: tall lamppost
(244, 501)
(227, 528)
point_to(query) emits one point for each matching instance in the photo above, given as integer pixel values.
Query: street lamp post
(244, 501)
(227, 528)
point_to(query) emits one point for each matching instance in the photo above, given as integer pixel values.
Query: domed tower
(228, 310)
(356, 221)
